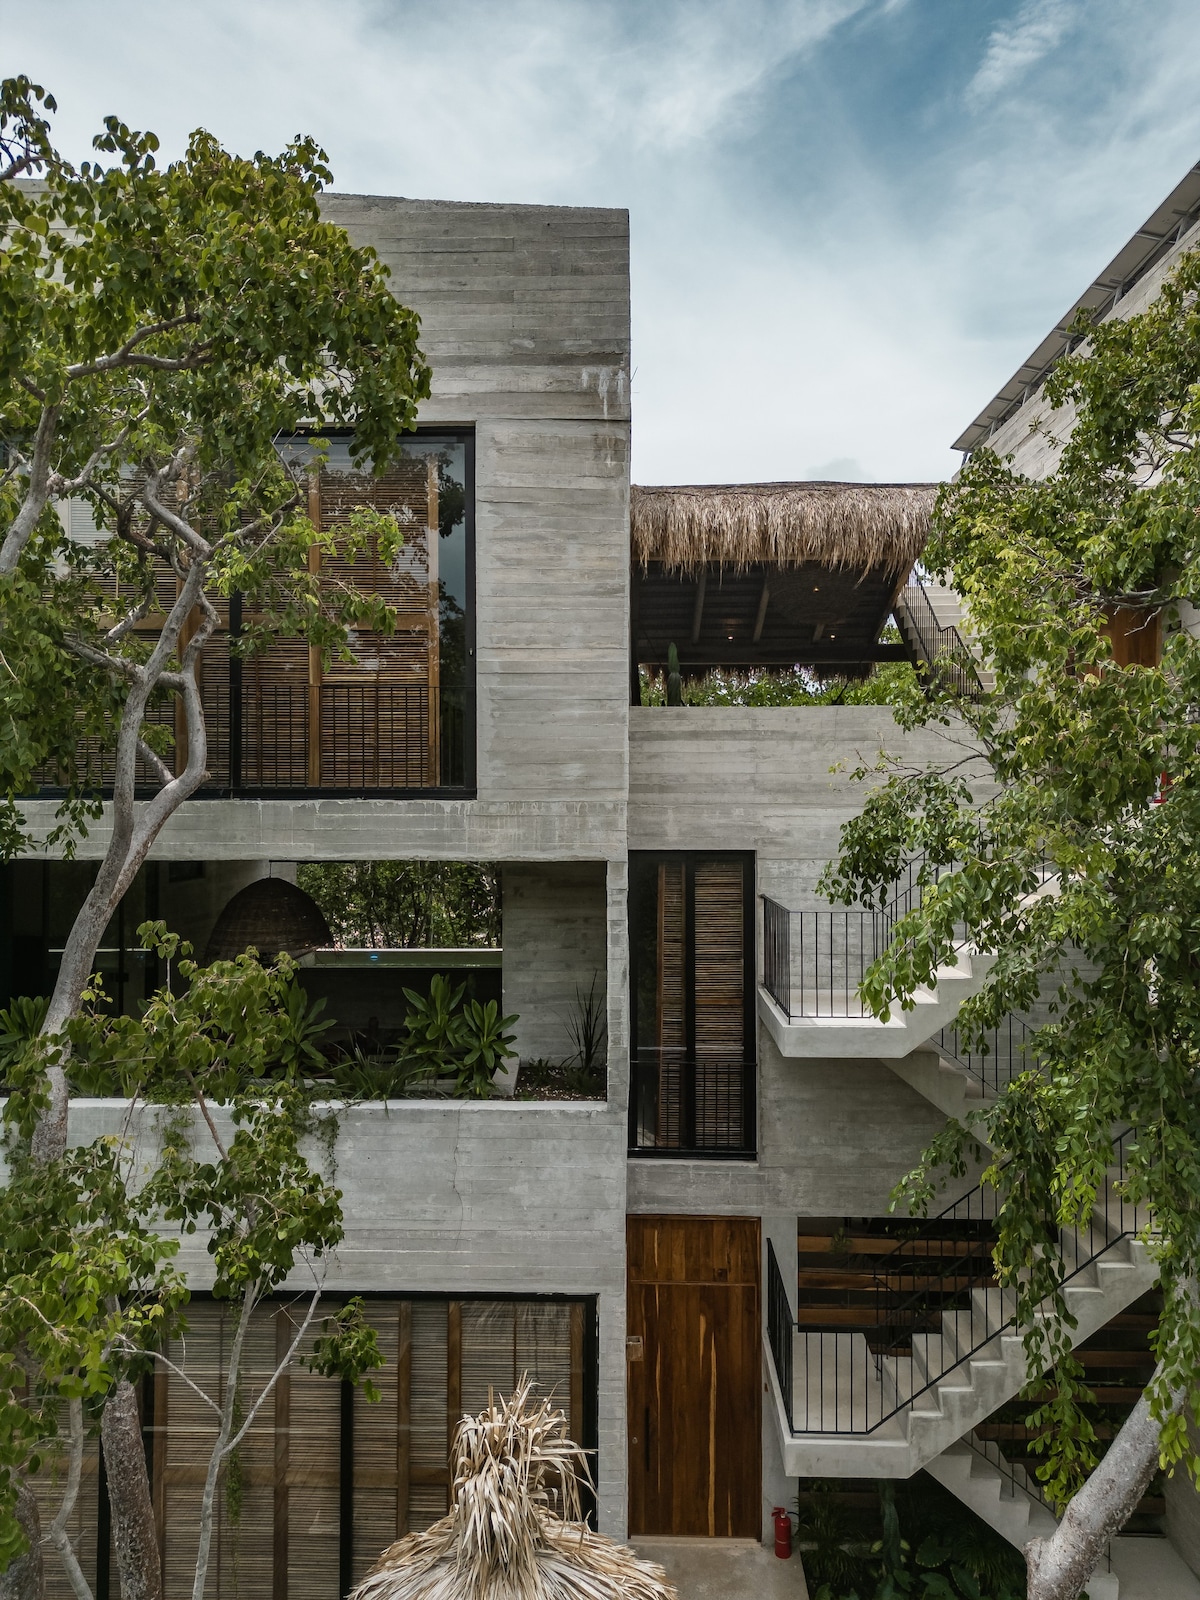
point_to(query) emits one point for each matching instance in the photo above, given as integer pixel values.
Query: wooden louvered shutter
(720, 1001)
(313, 1481)
(720, 959)
(381, 1439)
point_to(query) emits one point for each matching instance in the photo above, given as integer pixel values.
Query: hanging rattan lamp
(273, 916)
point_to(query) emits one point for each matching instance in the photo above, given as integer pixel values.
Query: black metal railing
(814, 961)
(779, 1330)
(692, 1104)
(1003, 1053)
(374, 737)
(943, 653)
(937, 1304)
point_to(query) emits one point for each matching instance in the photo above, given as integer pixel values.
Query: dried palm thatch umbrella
(515, 1532)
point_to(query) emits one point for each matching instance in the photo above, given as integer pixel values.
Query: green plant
(434, 1026)
(586, 1026)
(917, 1542)
(445, 1037)
(487, 1046)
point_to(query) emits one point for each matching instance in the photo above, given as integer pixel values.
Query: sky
(851, 220)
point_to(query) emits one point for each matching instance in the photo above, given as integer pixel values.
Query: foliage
(587, 1029)
(797, 686)
(407, 905)
(88, 1287)
(1099, 768)
(165, 327)
(446, 1037)
(917, 1541)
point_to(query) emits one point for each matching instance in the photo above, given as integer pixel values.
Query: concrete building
(698, 1259)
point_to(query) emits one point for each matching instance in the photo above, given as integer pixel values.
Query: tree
(1099, 768)
(406, 904)
(89, 1290)
(166, 328)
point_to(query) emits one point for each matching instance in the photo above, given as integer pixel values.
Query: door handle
(646, 1434)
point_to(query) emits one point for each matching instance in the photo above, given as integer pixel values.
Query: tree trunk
(25, 1578)
(1060, 1566)
(134, 1533)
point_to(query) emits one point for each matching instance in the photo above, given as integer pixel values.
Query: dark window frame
(689, 860)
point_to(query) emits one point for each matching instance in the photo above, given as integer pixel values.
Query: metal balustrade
(374, 736)
(943, 652)
(937, 1304)
(692, 1104)
(814, 960)
(1001, 1055)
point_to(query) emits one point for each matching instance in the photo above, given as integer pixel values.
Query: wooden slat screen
(48, 1486)
(720, 959)
(370, 723)
(693, 999)
(280, 1531)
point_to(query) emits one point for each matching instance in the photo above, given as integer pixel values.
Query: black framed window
(691, 918)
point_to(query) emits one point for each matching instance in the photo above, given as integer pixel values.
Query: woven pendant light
(272, 915)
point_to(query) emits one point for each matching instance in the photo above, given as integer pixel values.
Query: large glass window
(399, 715)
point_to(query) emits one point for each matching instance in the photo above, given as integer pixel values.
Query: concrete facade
(526, 324)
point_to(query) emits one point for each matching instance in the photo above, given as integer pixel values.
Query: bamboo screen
(372, 722)
(692, 993)
(287, 1526)
(81, 1527)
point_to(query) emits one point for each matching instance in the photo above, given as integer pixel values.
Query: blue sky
(851, 219)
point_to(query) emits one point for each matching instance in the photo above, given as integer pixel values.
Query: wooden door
(694, 1376)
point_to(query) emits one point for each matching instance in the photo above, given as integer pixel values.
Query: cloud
(836, 258)
(1038, 28)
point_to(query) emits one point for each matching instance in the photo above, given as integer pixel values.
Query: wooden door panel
(694, 1393)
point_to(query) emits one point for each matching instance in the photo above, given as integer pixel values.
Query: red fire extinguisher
(783, 1534)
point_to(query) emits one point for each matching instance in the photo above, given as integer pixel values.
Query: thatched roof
(862, 525)
(515, 1470)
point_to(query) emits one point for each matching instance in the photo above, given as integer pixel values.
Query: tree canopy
(1099, 768)
(178, 340)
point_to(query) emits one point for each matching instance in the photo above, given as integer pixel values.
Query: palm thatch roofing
(515, 1532)
(867, 526)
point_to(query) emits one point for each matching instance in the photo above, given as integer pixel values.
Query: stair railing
(1001, 1055)
(943, 651)
(937, 1305)
(779, 1329)
(814, 961)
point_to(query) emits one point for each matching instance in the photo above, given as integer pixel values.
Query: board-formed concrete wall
(834, 1136)
(525, 321)
(458, 1197)
(555, 945)
(742, 778)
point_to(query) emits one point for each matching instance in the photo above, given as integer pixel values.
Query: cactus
(674, 681)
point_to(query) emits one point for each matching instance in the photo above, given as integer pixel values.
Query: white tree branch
(37, 494)
(127, 355)
(58, 1528)
(279, 1370)
(1060, 1566)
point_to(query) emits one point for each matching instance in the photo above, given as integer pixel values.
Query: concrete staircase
(858, 1413)
(852, 1035)
(1003, 1495)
